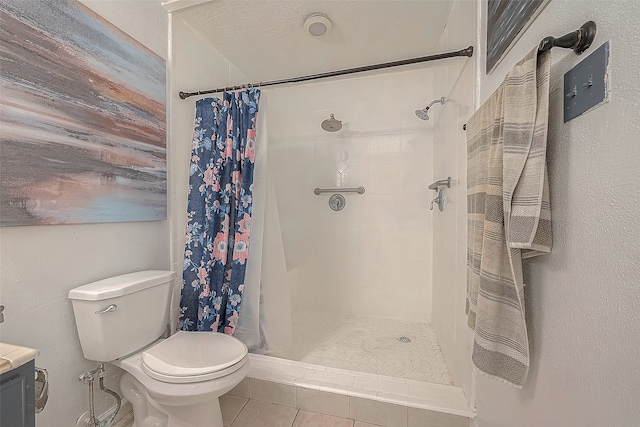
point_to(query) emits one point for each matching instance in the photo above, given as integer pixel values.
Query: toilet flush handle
(107, 309)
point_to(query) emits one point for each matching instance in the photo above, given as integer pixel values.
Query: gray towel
(508, 214)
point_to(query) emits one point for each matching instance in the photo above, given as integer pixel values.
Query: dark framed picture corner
(507, 20)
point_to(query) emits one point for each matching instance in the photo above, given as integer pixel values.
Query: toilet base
(147, 412)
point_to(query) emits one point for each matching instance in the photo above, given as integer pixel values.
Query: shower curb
(337, 392)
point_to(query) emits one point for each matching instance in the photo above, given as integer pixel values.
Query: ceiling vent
(317, 25)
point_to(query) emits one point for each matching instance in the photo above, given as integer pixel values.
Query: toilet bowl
(171, 382)
(166, 391)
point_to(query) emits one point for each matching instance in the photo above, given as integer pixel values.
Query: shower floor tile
(368, 345)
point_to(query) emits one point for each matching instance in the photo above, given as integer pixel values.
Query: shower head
(331, 124)
(422, 114)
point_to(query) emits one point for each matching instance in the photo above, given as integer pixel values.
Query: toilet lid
(193, 354)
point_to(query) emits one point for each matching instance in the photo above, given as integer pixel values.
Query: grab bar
(359, 190)
(442, 183)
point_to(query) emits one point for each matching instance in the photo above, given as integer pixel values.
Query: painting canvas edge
(515, 39)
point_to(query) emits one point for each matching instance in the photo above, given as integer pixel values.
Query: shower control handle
(438, 201)
(337, 202)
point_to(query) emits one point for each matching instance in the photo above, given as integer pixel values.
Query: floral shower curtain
(219, 211)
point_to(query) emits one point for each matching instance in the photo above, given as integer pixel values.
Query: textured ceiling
(266, 39)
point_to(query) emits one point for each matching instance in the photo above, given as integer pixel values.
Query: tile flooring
(243, 412)
(125, 421)
(264, 404)
(369, 345)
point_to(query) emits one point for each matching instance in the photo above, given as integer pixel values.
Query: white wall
(374, 257)
(583, 300)
(455, 78)
(40, 264)
(144, 20)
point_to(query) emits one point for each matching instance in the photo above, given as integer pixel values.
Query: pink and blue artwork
(82, 119)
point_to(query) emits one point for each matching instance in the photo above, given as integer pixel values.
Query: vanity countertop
(14, 356)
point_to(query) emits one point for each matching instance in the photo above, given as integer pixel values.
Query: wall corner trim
(176, 5)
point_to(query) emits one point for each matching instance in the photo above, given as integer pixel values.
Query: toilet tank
(122, 314)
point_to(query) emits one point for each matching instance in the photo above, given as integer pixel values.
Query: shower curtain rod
(464, 52)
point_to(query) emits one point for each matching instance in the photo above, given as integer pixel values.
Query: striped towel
(508, 214)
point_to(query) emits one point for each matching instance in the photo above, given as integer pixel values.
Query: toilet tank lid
(121, 285)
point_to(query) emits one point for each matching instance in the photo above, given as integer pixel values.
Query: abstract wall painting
(82, 119)
(506, 21)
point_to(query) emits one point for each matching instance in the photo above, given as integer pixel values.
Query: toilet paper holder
(41, 389)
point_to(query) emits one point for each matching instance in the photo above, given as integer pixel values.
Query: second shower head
(423, 114)
(331, 124)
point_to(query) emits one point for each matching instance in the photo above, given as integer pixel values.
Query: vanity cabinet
(17, 396)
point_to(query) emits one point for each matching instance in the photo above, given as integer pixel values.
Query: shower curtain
(265, 320)
(219, 211)
(226, 285)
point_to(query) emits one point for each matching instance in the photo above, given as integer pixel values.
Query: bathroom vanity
(17, 385)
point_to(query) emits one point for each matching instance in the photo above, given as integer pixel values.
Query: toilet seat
(187, 357)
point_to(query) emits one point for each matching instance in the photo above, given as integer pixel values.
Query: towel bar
(579, 40)
(359, 190)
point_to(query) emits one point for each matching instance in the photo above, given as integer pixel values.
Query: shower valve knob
(337, 202)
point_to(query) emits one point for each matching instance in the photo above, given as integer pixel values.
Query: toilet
(171, 382)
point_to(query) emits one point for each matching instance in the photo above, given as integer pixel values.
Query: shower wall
(456, 77)
(374, 257)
